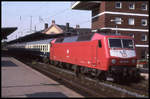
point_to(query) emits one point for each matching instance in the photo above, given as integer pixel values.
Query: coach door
(51, 51)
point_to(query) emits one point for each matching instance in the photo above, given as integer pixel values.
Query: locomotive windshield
(115, 43)
(127, 43)
(120, 43)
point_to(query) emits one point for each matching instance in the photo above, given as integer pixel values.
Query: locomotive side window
(99, 43)
(84, 37)
(70, 39)
(115, 43)
(59, 40)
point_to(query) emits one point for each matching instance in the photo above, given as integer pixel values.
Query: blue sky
(18, 14)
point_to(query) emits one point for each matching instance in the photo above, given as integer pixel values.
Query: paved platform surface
(19, 80)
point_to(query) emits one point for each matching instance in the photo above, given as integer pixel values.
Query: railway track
(87, 87)
(131, 90)
(99, 88)
(67, 81)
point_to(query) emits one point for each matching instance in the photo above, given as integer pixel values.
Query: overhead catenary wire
(44, 20)
(56, 14)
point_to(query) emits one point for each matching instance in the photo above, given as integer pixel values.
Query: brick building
(123, 17)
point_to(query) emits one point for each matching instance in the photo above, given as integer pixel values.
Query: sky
(28, 16)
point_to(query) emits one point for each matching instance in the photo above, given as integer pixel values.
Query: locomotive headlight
(133, 61)
(113, 61)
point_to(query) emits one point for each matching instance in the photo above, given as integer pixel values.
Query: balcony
(88, 5)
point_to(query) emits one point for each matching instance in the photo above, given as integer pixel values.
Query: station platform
(19, 80)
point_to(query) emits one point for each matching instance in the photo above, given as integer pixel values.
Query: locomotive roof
(80, 37)
(83, 37)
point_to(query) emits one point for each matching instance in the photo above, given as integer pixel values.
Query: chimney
(67, 27)
(77, 26)
(46, 25)
(53, 21)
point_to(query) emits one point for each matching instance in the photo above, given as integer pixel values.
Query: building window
(131, 21)
(118, 20)
(131, 34)
(144, 37)
(144, 6)
(143, 53)
(118, 5)
(131, 6)
(144, 22)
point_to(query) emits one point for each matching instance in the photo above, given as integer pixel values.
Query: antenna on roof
(31, 24)
(67, 27)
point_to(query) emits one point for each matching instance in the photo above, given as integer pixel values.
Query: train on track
(96, 54)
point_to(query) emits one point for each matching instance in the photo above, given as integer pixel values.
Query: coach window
(46, 47)
(43, 47)
(40, 46)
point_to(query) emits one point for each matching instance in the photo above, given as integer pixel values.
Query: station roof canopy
(39, 36)
(7, 31)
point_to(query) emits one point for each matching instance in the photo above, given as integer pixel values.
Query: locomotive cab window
(99, 44)
(115, 43)
(127, 43)
(121, 43)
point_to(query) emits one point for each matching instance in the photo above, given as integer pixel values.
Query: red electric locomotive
(105, 56)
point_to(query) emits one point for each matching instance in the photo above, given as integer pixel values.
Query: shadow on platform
(46, 94)
(7, 64)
